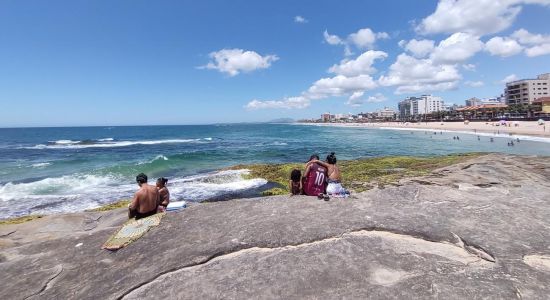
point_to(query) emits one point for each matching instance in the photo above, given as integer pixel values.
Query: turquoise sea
(49, 170)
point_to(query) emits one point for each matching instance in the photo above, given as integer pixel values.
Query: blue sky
(67, 63)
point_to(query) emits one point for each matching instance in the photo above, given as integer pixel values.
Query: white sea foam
(501, 135)
(80, 192)
(64, 142)
(212, 185)
(41, 165)
(158, 157)
(108, 143)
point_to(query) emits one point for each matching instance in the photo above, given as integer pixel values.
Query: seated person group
(149, 200)
(321, 178)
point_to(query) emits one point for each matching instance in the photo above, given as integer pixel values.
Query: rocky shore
(476, 229)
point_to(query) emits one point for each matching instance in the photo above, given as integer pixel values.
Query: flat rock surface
(479, 229)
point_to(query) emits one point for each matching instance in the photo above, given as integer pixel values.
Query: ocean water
(50, 170)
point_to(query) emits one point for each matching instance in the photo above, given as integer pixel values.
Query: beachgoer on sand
(295, 182)
(334, 187)
(145, 200)
(164, 194)
(314, 180)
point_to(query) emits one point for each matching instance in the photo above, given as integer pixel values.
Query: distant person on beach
(334, 187)
(164, 194)
(315, 176)
(295, 183)
(145, 200)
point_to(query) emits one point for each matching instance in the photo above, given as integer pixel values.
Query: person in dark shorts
(145, 201)
(295, 182)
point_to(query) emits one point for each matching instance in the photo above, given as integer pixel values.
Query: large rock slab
(480, 229)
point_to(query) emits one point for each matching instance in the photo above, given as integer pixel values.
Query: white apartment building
(526, 91)
(386, 113)
(426, 104)
(423, 105)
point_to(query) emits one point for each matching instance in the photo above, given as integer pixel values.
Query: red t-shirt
(315, 181)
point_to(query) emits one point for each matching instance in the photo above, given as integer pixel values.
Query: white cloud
(323, 88)
(527, 38)
(356, 100)
(365, 38)
(410, 74)
(362, 39)
(469, 67)
(474, 83)
(287, 103)
(538, 50)
(538, 44)
(418, 48)
(340, 85)
(503, 47)
(234, 61)
(377, 98)
(509, 78)
(360, 65)
(300, 19)
(457, 48)
(332, 39)
(478, 17)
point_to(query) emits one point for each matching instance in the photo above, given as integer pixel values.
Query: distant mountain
(282, 120)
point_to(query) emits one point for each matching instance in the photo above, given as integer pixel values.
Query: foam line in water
(501, 135)
(108, 143)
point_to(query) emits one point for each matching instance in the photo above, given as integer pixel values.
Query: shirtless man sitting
(145, 201)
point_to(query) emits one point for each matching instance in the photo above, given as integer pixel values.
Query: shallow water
(47, 170)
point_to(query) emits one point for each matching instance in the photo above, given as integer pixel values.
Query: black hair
(331, 159)
(163, 180)
(295, 175)
(141, 178)
(314, 156)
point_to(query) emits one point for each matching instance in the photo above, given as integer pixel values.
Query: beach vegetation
(358, 175)
(119, 204)
(19, 220)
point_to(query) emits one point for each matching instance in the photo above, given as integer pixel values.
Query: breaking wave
(79, 192)
(110, 142)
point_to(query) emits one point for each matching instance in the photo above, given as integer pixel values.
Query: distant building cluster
(525, 98)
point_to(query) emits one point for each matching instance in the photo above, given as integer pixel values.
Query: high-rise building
(526, 91)
(412, 107)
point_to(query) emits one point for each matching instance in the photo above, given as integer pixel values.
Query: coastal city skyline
(527, 97)
(75, 63)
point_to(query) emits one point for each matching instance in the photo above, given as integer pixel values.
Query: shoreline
(524, 129)
(359, 174)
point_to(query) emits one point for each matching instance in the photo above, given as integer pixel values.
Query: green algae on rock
(361, 174)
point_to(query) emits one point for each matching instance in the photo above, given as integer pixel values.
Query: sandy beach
(523, 128)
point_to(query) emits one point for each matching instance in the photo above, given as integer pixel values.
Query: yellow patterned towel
(131, 231)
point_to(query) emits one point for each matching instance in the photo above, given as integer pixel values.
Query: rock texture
(479, 229)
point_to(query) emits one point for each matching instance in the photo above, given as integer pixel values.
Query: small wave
(212, 185)
(160, 157)
(41, 165)
(64, 142)
(108, 143)
(69, 185)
